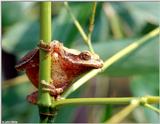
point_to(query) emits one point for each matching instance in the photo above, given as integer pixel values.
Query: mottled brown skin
(67, 64)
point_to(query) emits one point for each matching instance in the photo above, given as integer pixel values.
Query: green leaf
(10, 10)
(144, 11)
(138, 14)
(107, 113)
(142, 85)
(15, 106)
(21, 38)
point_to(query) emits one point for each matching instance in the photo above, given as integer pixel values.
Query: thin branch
(132, 101)
(124, 112)
(145, 101)
(129, 49)
(91, 101)
(152, 108)
(91, 26)
(95, 101)
(86, 39)
(77, 24)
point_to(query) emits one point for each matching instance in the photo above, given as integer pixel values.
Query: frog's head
(84, 58)
(90, 59)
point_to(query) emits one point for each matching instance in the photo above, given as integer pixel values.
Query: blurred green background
(117, 24)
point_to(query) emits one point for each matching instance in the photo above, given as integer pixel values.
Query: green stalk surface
(45, 59)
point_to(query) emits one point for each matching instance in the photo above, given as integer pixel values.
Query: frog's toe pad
(33, 98)
(44, 46)
(53, 92)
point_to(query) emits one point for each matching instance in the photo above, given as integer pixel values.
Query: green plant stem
(91, 26)
(132, 101)
(145, 101)
(95, 101)
(91, 101)
(45, 59)
(150, 99)
(77, 24)
(86, 39)
(124, 112)
(152, 108)
(90, 44)
(129, 49)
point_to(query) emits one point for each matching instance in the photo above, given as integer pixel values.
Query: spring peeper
(66, 65)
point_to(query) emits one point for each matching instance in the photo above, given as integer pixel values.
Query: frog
(66, 65)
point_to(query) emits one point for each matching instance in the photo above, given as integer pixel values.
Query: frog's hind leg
(33, 98)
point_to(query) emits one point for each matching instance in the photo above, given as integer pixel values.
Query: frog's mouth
(93, 63)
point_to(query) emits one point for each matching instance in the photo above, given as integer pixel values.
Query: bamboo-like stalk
(45, 59)
(124, 112)
(96, 101)
(152, 107)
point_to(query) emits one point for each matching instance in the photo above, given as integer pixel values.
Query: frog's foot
(51, 89)
(33, 98)
(44, 46)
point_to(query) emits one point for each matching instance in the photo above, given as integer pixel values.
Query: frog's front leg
(44, 46)
(51, 89)
(54, 92)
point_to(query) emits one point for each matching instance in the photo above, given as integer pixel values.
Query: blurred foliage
(146, 85)
(20, 34)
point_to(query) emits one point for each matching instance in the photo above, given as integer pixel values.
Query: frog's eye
(85, 55)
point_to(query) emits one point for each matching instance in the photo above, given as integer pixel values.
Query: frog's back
(21, 65)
